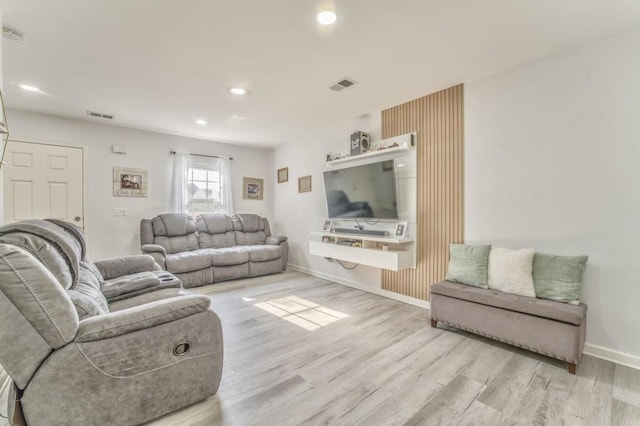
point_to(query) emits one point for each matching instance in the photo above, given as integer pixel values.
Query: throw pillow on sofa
(558, 277)
(510, 271)
(469, 265)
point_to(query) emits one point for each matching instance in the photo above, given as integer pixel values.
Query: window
(202, 185)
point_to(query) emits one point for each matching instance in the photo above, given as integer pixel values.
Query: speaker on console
(360, 142)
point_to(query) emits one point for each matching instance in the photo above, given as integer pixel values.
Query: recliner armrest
(275, 239)
(153, 248)
(140, 317)
(122, 266)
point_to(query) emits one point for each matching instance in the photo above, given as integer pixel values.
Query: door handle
(77, 218)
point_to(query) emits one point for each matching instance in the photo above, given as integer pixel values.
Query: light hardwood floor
(374, 361)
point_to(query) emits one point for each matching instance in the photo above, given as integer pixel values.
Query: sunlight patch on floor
(301, 312)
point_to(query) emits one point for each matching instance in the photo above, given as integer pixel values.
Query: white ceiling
(162, 64)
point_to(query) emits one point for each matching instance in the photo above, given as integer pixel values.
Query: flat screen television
(365, 191)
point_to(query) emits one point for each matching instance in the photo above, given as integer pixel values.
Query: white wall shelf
(366, 250)
(392, 259)
(364, 237)
(384, 252)
(405, 143)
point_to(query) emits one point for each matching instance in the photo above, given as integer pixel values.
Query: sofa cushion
(188, 261)
(173, 225)
(215, 231)
(571, 314)
(469, 264)
(178, 244)
(510, 271)
(87, 296)
(176, 232)
(214, 223)
(228, 256)
(558, 277)
(128, 284)
(264, 253)
(50, 244)
(248, 223)
(249, 229)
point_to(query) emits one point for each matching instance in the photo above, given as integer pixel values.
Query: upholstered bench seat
(548, 327)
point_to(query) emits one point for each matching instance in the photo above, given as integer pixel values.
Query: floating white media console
(366, 250)
(385, 252)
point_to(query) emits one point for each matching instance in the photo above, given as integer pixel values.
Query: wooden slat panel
(438, 119)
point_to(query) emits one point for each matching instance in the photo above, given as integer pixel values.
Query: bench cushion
(571, 314)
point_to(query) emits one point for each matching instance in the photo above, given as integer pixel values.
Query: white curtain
(225, 186)
(180, 182)
(181, 196)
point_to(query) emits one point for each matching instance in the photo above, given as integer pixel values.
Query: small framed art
(304, 184)
(283, 175)
(401, 230)
(252, 188)
(128, 182)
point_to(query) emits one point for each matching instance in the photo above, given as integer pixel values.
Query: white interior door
(43, 181)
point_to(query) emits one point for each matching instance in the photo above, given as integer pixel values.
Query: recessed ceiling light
(29, 88)
(327, 17)
(238, 91)
(201, 122)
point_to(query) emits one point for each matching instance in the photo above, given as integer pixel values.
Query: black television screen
(367, 191)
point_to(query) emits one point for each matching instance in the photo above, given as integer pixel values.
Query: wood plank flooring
(340, 356)
(313, 352)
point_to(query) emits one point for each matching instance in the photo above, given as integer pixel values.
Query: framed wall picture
(326, 227)
(304, 184)
(283, 175)
(401, 230)
(252, 188)
(128, 182)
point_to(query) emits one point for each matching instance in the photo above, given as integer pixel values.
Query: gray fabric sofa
(548, 327)
(213, 247)
(116, 342)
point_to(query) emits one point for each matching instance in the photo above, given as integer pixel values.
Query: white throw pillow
(511, 271)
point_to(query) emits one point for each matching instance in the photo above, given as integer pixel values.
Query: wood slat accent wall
(438, 119)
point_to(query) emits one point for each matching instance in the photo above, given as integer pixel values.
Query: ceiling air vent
(99, 115)
(343, 84)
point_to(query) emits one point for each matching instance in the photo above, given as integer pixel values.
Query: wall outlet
(119, 212)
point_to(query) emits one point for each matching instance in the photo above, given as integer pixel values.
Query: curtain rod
(201, 155)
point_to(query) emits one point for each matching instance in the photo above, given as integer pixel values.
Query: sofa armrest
(275, 239)
(153, 248)
(122, 266)
(158, 253)
(140, 317)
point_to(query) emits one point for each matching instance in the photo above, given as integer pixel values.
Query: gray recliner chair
(77, 358)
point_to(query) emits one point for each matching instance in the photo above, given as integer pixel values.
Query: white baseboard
(607, 354)
(601, 352)
(380, 292)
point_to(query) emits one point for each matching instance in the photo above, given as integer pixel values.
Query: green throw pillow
(558, 277)
(469, 265)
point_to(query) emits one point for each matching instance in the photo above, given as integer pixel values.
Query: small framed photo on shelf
(326, 227)
(401, 230)
(283, 175)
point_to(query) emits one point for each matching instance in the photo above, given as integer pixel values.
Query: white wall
(552, 162)
(110, 236)
(297, 214)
